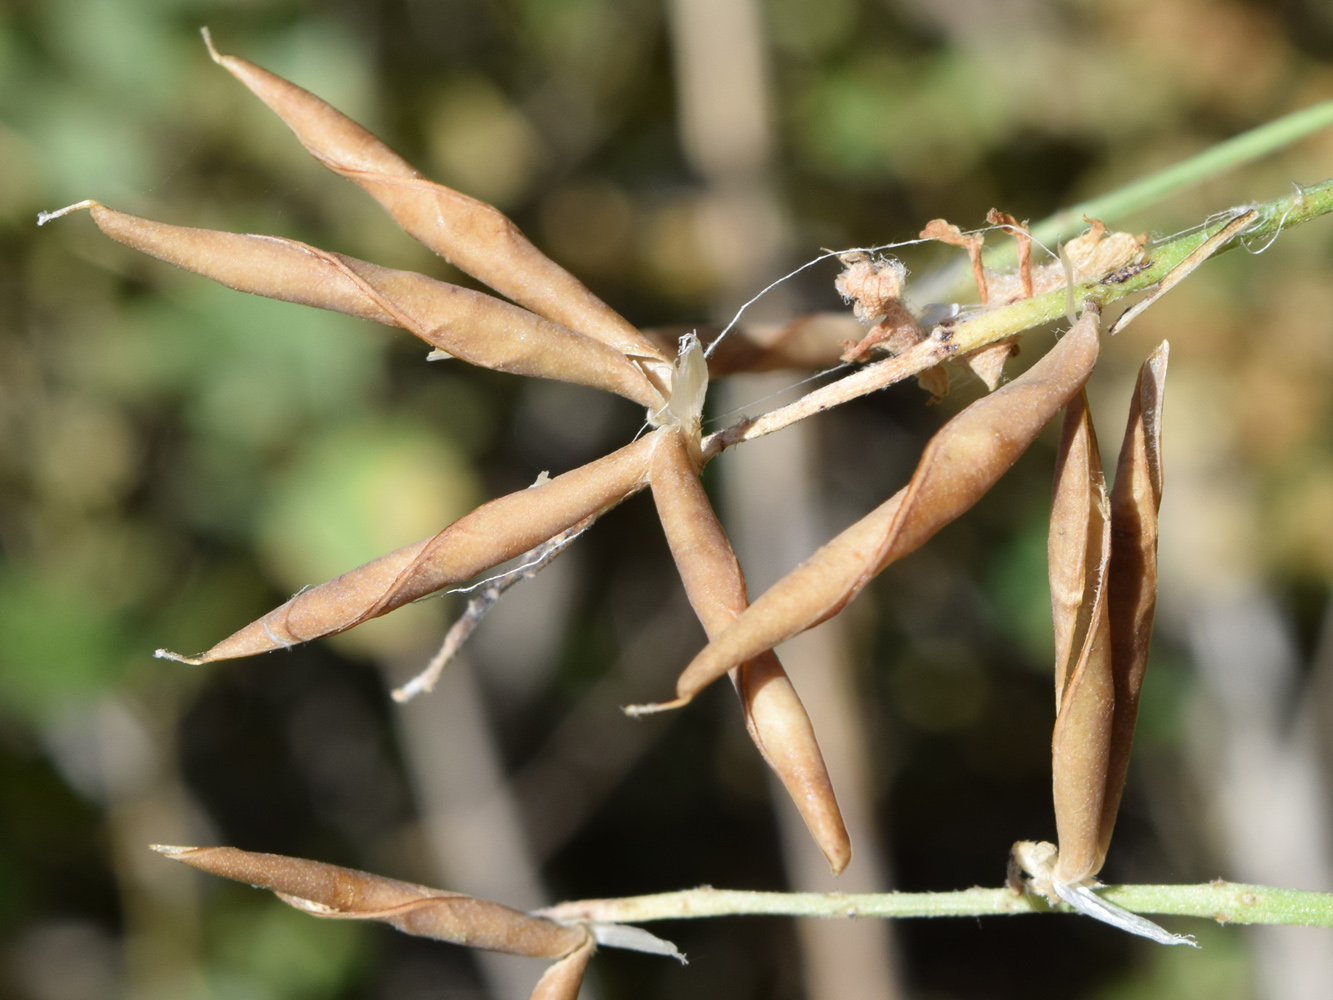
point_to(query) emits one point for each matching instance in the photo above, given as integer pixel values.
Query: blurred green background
(176, 458)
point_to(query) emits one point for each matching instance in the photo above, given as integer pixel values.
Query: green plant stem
(1004, 322)
(1114, 205)
(1007, 321)
(1212, 162)
(1225, 902)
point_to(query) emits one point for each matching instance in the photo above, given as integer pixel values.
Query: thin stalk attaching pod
(470, 234)
(335, 893)
(961, 462)
(1079, 551)
(496, 531)
(1031, 869)
(469, 325)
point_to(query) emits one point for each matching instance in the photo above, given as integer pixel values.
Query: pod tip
(208, 41)
(44, 217)
(166, 654)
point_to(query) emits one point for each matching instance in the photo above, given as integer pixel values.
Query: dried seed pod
(343, 893)
(494, 532)
(961, 462)
(1103, 566)
(470, 234)
(1079, 550)
(774, 715)
(562, 980)
(469, 325)
(1132, 582)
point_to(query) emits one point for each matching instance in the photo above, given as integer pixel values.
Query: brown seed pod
(562, 980)
(1103, 570)
(470, 234)
(343, 893)
(1132, 583)
(1079, 550)
(495, 531)
(469, 325)
(774, 715)
(961, 462)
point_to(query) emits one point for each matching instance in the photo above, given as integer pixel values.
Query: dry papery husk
(335, 893)
(961, 462)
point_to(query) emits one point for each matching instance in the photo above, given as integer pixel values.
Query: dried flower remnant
(1089, 256)
(335, 893)
(961, 462)
(988, 362)
(1096, 254)
(947, 232)
(1023, 238)
(1098, 251)
(874, 286)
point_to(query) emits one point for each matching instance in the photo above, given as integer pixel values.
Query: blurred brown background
(176, 458)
